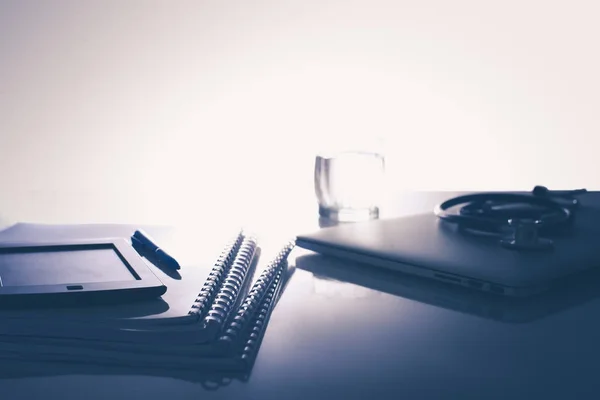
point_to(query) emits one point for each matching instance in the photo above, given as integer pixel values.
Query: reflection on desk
(576, 290)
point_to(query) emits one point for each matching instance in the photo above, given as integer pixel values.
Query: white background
(143, 111)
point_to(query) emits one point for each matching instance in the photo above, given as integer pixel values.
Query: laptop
(425, 246)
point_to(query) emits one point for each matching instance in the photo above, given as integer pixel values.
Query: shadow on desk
(28, 369)
(572, 292)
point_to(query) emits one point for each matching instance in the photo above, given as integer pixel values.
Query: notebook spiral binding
(254, 310)
(259, 322)
(231, 286)
(215, 278)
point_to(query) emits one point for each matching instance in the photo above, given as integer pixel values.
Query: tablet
(74, 273)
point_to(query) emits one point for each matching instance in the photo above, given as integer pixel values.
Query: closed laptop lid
(424, 241)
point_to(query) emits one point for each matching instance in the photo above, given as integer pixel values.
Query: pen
(140, 238)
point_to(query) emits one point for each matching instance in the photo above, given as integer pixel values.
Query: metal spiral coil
(227, 294)
(260, 319)
(269, 278)
(215, 278)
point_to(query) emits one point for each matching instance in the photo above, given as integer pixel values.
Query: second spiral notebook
(210, 316)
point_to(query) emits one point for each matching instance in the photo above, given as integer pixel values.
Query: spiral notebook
(223, 325)
(235, 347)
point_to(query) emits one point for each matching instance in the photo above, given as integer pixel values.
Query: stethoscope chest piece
(526, 236)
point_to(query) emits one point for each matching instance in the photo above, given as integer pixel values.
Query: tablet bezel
(145, 284)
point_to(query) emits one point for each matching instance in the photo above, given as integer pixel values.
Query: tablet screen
(54, 267)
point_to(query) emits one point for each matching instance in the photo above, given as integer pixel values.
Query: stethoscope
(518, 219)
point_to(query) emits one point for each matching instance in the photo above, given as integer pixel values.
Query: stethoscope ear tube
(477, 214)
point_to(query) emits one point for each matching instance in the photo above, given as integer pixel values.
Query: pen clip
(149, 255)
(138, 245)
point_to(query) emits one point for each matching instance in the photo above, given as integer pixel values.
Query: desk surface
(369, 335)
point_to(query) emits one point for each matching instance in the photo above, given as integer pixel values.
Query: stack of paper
(176, 331)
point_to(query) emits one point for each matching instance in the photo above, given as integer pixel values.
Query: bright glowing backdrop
(144, 110)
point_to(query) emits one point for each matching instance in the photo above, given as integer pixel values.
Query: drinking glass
(349, 181)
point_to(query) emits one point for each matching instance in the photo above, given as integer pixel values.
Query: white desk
(331, 339)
